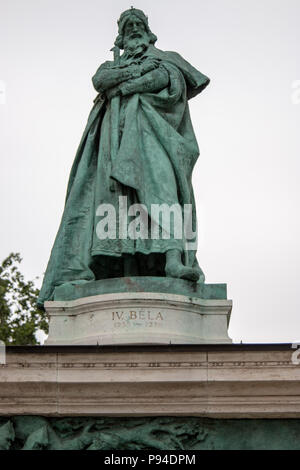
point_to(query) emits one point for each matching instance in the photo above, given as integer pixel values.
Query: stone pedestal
(138, 318)
(138, 311)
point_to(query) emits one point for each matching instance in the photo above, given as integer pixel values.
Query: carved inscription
(145, 318)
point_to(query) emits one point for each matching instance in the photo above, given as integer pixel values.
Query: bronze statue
(139, 146)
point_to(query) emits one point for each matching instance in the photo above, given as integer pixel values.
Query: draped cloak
(154, 165)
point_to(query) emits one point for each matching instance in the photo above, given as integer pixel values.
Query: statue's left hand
(151, 63)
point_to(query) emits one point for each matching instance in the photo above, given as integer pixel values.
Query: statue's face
(135, 33)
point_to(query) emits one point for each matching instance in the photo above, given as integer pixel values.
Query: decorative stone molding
(222, 381)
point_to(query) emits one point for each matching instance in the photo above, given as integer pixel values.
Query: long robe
(154, 165)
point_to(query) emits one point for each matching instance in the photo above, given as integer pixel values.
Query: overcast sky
(247, 123)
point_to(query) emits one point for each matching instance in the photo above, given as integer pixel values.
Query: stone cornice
(228, 381)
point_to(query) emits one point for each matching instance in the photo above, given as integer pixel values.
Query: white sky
(247, 125)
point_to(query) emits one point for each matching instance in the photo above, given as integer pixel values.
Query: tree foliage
(20, 319)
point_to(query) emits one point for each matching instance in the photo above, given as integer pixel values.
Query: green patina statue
(138, 146)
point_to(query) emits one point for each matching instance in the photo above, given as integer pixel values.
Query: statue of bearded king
(138, 150)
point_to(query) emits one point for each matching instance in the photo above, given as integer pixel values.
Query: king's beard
(136, 46)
